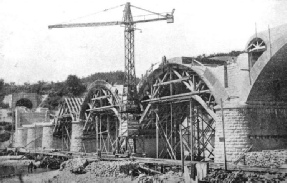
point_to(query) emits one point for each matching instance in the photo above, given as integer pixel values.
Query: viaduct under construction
(189, 109)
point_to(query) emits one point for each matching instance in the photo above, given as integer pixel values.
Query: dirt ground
(31, 178)
(96, 172)
(67, 177)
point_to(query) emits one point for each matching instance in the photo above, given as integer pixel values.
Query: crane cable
(94, 13)
(150, 14)
(148, 11)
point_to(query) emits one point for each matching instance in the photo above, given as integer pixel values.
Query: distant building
(8, 100)
(6, 115)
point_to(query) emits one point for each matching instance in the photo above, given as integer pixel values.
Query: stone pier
(34, 136)
(47, 139)
(76, 137)
(262, 127)
(21, 137)
(31, 135)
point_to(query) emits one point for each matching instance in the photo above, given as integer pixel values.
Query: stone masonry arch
(33, 97)
(266, 82)
(255, 115)
(24, 102)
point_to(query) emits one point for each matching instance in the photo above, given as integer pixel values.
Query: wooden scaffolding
(68, 111)
(106, 124)
(178, 109)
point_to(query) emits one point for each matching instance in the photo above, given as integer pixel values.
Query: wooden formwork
(69, 110)
(178, 106)
(103, 119)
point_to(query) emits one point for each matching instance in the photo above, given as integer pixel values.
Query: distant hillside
(114, 77)
(218, 58)
(111, 77)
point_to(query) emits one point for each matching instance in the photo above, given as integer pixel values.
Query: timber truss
(102, 118)
(103, 121)
(179, 111)
(69, 110)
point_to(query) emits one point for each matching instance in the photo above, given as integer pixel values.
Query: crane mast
(130, 73)
(130, 90)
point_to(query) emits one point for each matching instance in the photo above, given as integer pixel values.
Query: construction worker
(30, 167)
(99, 153)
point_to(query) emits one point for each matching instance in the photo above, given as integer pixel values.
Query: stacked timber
(266, 158)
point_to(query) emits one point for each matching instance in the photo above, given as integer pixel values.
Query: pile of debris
(221, 176)
(83, 170)
(266, 158)
(51, 162)
(169, 176)
(99, 168)
(112, 168)
(76, 165)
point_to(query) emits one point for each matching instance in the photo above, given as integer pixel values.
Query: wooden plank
(102, 108)
(176, 97)
(145, 113)
(86, 122)
(79, 102)
(101, 97)
(169, 145)
(77, 106)
(171, 81)
(69, 107)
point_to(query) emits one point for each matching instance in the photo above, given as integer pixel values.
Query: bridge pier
(21, 137)
(34, 136)
(77, 133)
(236, 130)
(260, 126)
(47, 139)
(31, 135)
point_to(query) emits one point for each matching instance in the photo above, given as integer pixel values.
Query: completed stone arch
(266, 81)
(33, 97)
(24, 102)
(255, 112)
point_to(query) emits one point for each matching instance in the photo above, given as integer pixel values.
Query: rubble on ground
(51, 162)
(266, 158)
(76, 165)
(80, 170)
(222, 176)
(99, 168)
(111, 168)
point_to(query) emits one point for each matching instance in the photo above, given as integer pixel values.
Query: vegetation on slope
(73, 86)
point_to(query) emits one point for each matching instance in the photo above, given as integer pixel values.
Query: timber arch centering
(100, 115)
(178, 106)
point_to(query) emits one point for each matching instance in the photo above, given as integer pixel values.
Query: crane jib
(96, 24)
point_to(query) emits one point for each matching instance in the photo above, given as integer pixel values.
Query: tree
(2, 90)
(74, 85)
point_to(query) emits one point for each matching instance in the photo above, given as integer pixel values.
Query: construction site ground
(78, 170)
(129, 170)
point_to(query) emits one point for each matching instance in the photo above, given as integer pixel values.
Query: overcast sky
(29, 52)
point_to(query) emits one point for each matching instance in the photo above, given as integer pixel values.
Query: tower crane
(131, 104)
